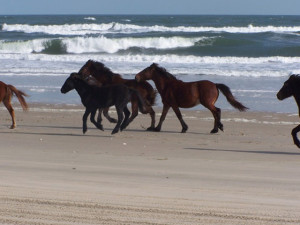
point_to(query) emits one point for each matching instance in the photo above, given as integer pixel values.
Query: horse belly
(188, 97)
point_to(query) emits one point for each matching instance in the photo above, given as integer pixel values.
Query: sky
(198, 7)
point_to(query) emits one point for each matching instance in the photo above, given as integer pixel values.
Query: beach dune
(53, 174)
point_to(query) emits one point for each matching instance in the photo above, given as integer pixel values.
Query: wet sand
(53, 174)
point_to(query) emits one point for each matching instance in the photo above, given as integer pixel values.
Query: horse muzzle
(63, 90)
(279, 96)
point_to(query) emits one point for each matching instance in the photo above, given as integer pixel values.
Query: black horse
(93, 98)
(291, 87)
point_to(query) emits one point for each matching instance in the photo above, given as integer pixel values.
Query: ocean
(253, 55)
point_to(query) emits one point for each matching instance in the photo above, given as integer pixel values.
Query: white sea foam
(90, 18)
(100, 44)
(113, 45)
(130, 64)
(82, 29)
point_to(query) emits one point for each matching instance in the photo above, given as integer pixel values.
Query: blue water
(253, 55)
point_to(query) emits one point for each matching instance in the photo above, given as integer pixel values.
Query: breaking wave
(84, 29)
(96, 44)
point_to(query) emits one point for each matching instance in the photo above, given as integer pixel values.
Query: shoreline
(52, 173)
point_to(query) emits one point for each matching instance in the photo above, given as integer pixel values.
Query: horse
(93, 97)
(178, 94)
(106, 77)
(291, 87)
(6, 93)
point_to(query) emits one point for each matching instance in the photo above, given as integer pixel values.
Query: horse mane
(163, 72)
(100, 67)
(296, 77)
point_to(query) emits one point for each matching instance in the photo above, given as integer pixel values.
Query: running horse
(6, 93)
(178, 94)
(291, 87)
(93, 98)
(106, 77)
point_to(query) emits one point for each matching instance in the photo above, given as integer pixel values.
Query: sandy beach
(53, 174)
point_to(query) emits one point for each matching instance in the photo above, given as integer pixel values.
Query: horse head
(146, 74)
(70, 83)
(288, 88)
(98, 70)
(152, 72)
(86, 69)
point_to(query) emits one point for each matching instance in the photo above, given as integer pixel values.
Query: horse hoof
(123, 127)
(157, 129)
(221, 127)
(114, 131)
(113, 120)
(150, 129)
(12, 127)
(213, 131)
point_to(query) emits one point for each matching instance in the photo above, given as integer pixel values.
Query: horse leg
(152, 115)
(125, 122)
(99, 118)
(294, 134)
(92, 118)
(217, 116)
(110, 119)
(11, 111)
(120, 119)
(84, 119)
(179, 116)
(163, 117)
(134, 111)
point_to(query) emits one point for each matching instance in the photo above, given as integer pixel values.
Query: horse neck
(297, 95)
(160, 81)
(100, 77)
(117, 79)
(103, 78)
(297, 99)
(82, 89)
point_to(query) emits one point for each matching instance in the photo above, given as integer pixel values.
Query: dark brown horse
(178, 94)
(291, 87)
(93, 98)
(105, 76)
(6, 93)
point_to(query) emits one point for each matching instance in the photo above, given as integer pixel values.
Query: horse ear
(74, 75)
(153, 65)
(89, 62)
(292, 77)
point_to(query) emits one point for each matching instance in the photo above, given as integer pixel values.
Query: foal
(93, 98)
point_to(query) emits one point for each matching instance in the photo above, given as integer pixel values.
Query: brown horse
(105, 76)
(290, 88)
(6, 93)
(178, 94)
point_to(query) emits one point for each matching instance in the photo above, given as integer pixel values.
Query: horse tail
(141, 102)
(230, 98)
(151, 99)
(19, 95)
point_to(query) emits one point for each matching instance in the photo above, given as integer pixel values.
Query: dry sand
(50, 173)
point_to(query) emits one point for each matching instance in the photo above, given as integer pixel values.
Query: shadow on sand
(244, 151)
